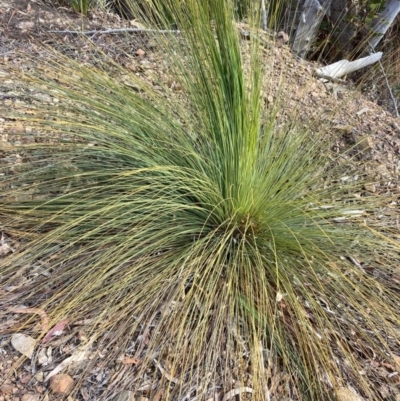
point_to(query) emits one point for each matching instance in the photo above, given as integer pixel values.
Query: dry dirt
(26, 24)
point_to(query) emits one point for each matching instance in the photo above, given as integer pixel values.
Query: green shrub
(80, 6)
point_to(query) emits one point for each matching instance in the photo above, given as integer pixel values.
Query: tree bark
(310, 19)
(382, 23)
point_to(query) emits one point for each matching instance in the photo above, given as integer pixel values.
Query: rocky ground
(25, 25)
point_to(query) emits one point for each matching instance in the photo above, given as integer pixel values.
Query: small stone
(6, 389)
(30, 397)
(140, 52)
(132, 66)
(61, 384)
(370, 188)
(281, 38)
(25, 378)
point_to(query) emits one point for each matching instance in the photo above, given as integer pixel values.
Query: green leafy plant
(222, 240)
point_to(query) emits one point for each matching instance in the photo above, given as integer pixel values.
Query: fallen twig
(236, 391)
(344, 67)
(146, 333)
(40, 312)
(165, 373)
(119, 30)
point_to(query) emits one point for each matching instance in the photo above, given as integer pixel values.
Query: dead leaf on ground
(79, 355)
(5, 249)
(45, 356)
(23, 344)
(131, 361)
(57, 330)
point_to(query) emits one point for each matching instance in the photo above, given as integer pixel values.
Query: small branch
(396, 110)
(120, 30)
(344, 67)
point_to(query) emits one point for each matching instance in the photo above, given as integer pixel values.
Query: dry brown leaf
(40, 312)
(131, 361)
(55, 331)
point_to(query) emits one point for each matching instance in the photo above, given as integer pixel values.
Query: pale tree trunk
(263, 16)
(310, 18)
(382, 23)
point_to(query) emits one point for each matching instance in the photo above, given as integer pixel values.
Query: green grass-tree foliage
(149, 10)
(81, 6)
(196, 222)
